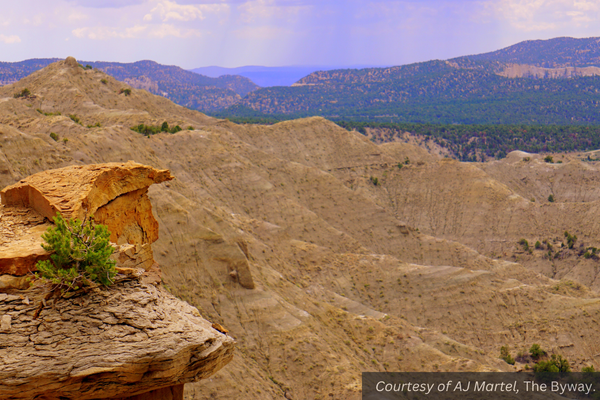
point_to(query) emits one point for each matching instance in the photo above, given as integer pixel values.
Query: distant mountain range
(183, 87)
(269, 76)
(505, 87)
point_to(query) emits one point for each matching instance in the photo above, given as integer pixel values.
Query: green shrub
(75, 119)
(400, 165)
(125, 91)
(104, 81)
(556, 364)
(54, 136)
(551, 198)
(80, 255)
(148, 130)
(505, 355)
(536, 351)
(524, 243)
(571, 239)
(190, 128)
(588, 369)
(23, 93)
(548, 159)
(374, 181)
(538, 245)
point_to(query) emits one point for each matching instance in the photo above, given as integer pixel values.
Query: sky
(233, 33)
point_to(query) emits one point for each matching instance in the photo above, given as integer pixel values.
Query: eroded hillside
(283, 235)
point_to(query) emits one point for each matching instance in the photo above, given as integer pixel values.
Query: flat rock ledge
(120, 342)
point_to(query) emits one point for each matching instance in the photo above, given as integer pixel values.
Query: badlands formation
(280, 234)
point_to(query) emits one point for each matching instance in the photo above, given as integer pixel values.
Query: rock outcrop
(115, 343)
(132, 340)
(115, 194)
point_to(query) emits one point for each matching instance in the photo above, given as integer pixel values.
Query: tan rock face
(78, 191)
(20, 241)
(115, 343)
(115, 194)
(129, 218)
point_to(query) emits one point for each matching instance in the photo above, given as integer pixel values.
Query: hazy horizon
(275, 33)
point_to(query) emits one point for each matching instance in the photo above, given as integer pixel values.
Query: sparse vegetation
(80, 255)
(591, 252)
(571, 239)
(125, 91)
(374, 181)
(523, 242)
(556, 363)
(54, 136)
(104, 81)
(23, 93)
(535, 351)
(548, 159)
(148, 130)
(75, 119)
(505, 355)
(47, 114)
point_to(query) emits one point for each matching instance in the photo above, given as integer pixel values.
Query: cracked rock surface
(125, 340)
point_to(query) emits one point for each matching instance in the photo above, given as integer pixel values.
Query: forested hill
(13, 71)
(183, 87)
(508, 86)
(432, 92)
(551, 53)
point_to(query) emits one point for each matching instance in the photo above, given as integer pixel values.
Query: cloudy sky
(231, 33)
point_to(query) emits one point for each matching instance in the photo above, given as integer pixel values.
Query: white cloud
(167, 10)
(257, 10)
(10, 39)
(546, 15)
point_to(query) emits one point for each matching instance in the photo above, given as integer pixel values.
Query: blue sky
(231, 33)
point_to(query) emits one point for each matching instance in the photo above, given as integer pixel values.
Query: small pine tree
(536, 351)
(505, 355)
(81, 255)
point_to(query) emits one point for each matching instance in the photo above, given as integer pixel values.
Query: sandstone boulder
(115, 194)
(89, 190)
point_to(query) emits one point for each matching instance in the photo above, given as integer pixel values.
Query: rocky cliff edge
(132, 340)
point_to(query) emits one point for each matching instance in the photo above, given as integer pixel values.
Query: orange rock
(115, 194)
(20, 240)
(80, 191)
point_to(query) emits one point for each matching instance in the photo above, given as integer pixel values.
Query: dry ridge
(280, 234)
